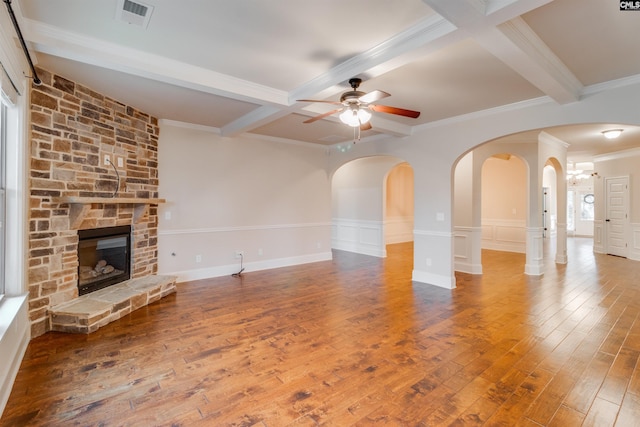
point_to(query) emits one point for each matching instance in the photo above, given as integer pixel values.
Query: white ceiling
(240, 65)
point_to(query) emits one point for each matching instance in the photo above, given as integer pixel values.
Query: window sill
(9, 309)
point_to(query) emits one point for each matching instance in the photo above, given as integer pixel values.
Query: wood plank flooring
(353, 342)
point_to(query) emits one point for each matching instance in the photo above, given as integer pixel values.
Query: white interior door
(617, 202)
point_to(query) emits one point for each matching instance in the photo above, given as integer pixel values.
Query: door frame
(626, 221)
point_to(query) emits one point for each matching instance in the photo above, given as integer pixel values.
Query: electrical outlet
(107, 160)
(198, 258)
(120, 162)
(239, 254)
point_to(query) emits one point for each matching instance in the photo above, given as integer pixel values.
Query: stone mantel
(79, 206)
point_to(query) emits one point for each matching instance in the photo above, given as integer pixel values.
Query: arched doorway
(398, 213)
(372, 204)
(498, 201)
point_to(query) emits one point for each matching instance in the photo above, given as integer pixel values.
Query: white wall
(270, 200)
(504, 204)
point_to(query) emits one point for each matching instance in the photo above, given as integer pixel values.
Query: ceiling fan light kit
(357, 106)
(355, 117)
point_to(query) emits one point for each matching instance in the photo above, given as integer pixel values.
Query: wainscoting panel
(504, 235)
(464, 241)
(398, 230)
(598, 236)
(634, 252)
(363, 237)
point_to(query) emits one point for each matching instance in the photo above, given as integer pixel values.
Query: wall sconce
(612, 133)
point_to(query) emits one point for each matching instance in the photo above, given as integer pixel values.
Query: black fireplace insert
(104, 257)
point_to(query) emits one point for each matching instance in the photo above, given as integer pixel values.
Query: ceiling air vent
(134, 12)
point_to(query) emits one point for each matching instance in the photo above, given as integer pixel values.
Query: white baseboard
(227, 270)
(359, 249)
(465, 267)
(447, 282)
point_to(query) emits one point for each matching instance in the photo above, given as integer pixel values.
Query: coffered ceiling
(239, 66)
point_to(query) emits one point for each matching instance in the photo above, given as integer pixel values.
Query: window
(586, 207)
(3, 144)
(13, 186)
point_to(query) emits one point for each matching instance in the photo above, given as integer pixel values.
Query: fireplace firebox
(104, 257)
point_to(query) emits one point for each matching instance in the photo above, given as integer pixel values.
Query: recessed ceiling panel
(595, 40)
(459, 79)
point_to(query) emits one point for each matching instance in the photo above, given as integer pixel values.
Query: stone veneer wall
(71, 129)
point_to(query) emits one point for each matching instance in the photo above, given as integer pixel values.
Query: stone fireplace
(73, 130)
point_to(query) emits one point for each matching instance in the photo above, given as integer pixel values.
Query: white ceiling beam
(497, 27)
(65, 44)
(256, 118)
(515, 44)
(375, 61)
(424, 32)
(499, 11)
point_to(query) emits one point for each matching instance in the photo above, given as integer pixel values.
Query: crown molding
(543, 100)
(623, 154)
(611, 84)
(185, 125)
(551, 140)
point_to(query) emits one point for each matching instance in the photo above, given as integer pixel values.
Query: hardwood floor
(353, 342)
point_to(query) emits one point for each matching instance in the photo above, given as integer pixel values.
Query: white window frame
(16, 178)
(3, 195)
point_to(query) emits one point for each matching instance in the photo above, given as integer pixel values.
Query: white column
(534, 261)
(561, 241)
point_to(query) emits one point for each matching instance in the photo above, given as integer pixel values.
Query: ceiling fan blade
(395, 110)
(318, 100)
(374, 96)
(365, 126)
(322, 116)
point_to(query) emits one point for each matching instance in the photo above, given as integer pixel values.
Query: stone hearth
(90, 312)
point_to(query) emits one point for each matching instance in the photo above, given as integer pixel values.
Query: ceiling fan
(356, 105)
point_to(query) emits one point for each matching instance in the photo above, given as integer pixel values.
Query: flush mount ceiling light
(612, 133)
